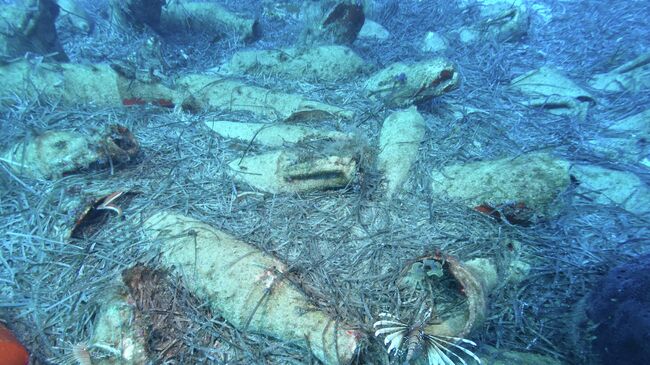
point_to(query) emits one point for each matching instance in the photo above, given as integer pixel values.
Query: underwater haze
(325, 182)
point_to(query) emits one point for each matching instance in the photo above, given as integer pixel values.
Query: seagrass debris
(500, 356)
(490, 8)
(247, 287)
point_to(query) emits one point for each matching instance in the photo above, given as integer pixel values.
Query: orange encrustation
(12, 352)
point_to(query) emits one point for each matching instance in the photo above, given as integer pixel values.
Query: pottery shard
(29, 27)
(401, 85)
(399, 142)
(324, 63)
(614, 188)
(550, 90)
(632, 76)
(248, 287)
(74, 14)
(533, 180)
(136, 14)
(208, 17)
(209, 92)
(343, 23)
(56, 153)
(285, 172)
(51, 154)
(273, 135)
(116, 327)
(501, 21)
(626, 140)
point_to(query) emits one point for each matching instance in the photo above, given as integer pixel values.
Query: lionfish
(439, 350)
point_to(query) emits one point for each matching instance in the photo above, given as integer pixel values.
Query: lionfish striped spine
(439, 350)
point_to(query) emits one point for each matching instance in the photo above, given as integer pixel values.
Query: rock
(611, 187)
(620, 305)
(434, 42)
(402, 85)
(322, 63)
(399, 142)
(531, 182)
(468, 35)
(632, 76)
(548, 89)
(288, 172)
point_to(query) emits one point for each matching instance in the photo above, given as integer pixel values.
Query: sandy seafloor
(51, 287)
